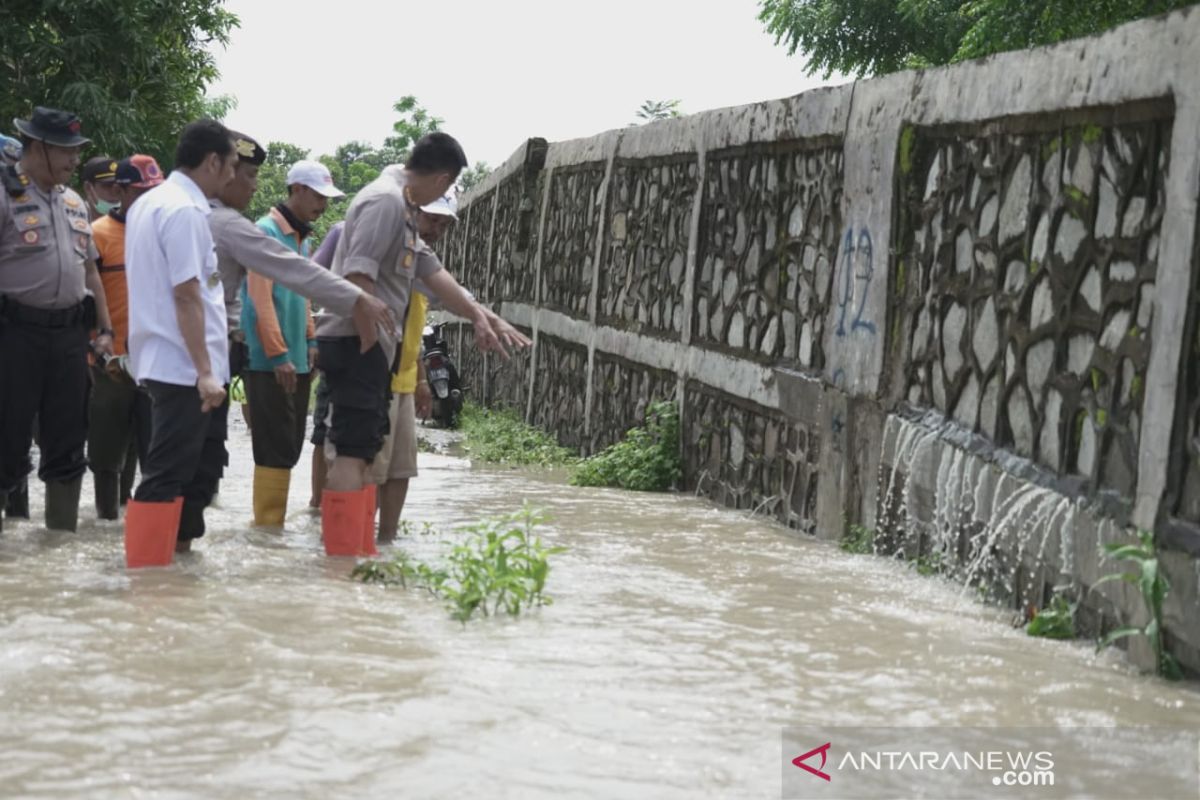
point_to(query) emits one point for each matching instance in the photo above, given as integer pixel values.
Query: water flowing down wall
(957, 305)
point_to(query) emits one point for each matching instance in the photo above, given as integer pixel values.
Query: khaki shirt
(45, 244)
(242, 245)
(379, 241)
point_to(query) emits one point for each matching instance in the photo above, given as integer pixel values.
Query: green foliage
(500, 436)
(646, 460)
(472, 176)
(1154, 588)
(928, 564)
(858, 539)
(353, 165)
(409, 528)
(237, 390)
(1056, 621)
(500, 566)
(414, 123)
(135, 71)
(874, 37)
(652, 110)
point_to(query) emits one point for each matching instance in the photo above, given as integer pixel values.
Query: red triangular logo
(824, 752)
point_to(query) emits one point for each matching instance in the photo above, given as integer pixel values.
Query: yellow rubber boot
(270, 495)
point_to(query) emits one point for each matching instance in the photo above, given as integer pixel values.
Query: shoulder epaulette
(15, 184)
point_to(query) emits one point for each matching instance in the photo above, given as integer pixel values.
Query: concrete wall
(993, 261)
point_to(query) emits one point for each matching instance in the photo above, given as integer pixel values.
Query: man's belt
(70, 317)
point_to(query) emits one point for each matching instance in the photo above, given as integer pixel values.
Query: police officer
(18, 498)
(50, 297)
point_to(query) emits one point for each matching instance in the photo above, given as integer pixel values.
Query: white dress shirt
(168, 243)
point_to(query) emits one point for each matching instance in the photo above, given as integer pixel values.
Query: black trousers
(43, 373)
(277, 419)
(114, 426)
(359, 393)
(187, 453)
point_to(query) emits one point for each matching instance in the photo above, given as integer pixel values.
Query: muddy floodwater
(682, 640)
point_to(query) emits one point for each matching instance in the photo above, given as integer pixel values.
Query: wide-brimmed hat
(52, 126)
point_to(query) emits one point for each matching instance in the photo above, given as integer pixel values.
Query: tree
(135, 71)
(658, 109)
(874, 37)
(472, 176)
(414, 123)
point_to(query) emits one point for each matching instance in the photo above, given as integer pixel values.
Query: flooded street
(682, 639)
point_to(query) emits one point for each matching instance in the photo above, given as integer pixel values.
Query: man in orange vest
(119, 413)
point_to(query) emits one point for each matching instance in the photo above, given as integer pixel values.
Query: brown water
(681, 640)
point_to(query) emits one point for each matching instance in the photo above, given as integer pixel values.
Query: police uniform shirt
(45, 242)
(242, 245)
(379, 241)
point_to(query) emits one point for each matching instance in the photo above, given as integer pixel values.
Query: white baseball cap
(315, 176)
(447, 205)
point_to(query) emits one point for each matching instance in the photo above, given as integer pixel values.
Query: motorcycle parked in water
(443, 378)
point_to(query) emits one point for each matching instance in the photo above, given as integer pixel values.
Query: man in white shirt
(178, 346)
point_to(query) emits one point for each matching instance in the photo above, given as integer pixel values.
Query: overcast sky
(318, 74)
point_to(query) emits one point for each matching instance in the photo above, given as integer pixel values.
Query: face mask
(103, 207)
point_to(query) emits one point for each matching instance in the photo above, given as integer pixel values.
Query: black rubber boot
(128, 475)
(191, 526)
(62, 504)
(18, 502)
(107, 494)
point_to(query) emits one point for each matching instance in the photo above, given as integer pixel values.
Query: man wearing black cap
(99, 176)
(50, 297)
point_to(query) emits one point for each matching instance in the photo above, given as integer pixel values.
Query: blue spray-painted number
(858, 266)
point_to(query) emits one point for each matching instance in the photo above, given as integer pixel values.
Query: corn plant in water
(500, 566)
(1154, 587)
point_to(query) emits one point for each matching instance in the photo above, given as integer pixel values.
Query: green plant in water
(858, 539)
(1055, 621)
(1154, 587)
(409, 528)
(646, 460)
(500, 436)
(500, 566)
(928, 564)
